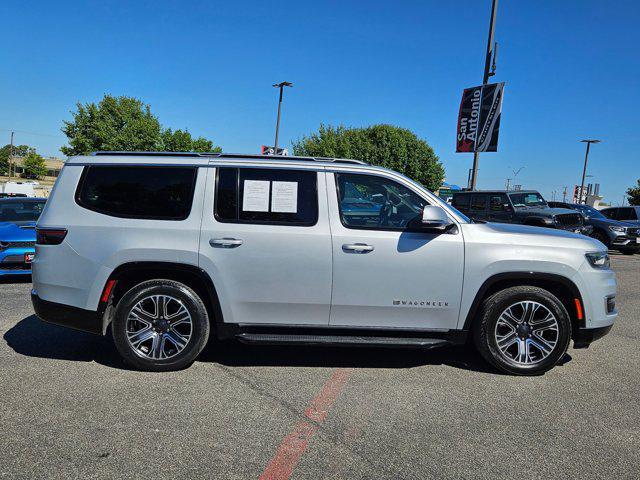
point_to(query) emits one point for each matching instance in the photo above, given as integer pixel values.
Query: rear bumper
(67, 316)
(583, 337)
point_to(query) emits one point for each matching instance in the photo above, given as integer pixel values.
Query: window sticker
(255, 196)
(284, 197)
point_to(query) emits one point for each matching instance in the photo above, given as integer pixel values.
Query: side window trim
(238, 220)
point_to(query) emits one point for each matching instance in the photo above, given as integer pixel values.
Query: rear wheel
(523, 330)
(160, 325)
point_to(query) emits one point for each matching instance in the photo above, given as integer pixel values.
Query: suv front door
(386, 274)
(265, 243)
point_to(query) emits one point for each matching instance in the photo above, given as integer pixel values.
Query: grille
(569, 220)
(7, 245)
(15, 266)
(634, 232)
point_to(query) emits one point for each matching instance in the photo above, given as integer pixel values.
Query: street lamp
(281, 86)
(584, 171)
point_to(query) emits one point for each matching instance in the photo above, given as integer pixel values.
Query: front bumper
(583, 337)
(66, 315)
(12, 262)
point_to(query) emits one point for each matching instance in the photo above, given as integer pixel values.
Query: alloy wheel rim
(159, 327)
(526, 333)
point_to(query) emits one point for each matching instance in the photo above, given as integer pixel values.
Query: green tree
(181, 141)
(634, 194)
(123, 124)
(18, 151)
(34, 166)
(384, 145)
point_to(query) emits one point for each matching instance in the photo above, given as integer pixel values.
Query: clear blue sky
(572, 70)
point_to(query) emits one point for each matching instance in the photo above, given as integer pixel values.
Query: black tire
(493, 307)
(198, 326)
(601, 237)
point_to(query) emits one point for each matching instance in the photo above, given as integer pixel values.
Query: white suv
(170, 249)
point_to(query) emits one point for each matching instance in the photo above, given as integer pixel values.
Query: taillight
(50, 236)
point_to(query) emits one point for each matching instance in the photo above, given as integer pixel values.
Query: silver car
(170, 249)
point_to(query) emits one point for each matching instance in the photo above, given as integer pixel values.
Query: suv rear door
(266, 244)
(385, 274)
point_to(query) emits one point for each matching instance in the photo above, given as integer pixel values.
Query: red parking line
(290, 451)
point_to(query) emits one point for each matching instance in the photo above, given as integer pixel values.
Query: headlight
(618, 229)
(599, 260)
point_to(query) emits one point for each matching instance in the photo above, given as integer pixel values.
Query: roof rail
(229, 155)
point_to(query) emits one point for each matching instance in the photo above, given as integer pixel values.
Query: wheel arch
(562, 287)
(130, 274)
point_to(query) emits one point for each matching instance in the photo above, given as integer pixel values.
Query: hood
(17, 232)
(547, 211)
(515, 234)
(610, 222)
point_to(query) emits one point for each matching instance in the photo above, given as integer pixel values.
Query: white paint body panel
(288, 275)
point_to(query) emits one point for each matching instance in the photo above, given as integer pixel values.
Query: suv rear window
(266, 196)
(154, 193)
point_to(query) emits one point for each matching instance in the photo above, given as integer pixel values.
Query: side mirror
(434, 217)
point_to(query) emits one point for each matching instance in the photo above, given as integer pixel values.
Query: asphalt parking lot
(70, 409)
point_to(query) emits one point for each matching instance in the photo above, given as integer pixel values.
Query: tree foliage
(124, 124)
(384, 145)
(634, 194)
(18, 151)
(33, 165)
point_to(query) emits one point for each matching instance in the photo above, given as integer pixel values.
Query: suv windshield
(589, 211)
(27, 211)
(531, 199)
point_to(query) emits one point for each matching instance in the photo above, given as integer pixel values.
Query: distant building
(53, 164)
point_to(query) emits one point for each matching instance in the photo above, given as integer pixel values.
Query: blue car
(18, 218)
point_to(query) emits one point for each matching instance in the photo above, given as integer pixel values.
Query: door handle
(225, 242)
(357, 248)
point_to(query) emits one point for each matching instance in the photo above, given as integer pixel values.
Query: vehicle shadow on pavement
(34, 338)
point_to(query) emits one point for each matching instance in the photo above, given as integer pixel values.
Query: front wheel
(523, 330)
(160, 325)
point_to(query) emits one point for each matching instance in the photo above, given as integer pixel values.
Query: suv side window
(478, 203)
(627, 213)
(153, 193)
(461, 202)
(377, 203)
(497, 203)
(610, 213)
(266, 196)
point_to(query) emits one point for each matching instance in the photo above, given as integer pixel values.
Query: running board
(337, 340)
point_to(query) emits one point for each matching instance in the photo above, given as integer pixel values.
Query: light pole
(281, 86)
(489, 71)
(584, 171)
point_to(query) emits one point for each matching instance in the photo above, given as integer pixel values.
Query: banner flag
(479, 118)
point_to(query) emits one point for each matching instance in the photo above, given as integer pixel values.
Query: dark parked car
(624, 214)
(615, 234)
(523, 206)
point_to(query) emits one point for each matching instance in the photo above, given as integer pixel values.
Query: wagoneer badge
(421, 303)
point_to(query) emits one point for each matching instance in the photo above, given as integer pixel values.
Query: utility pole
(488, 72)
(584, 171)
(508, 183)
(10, 155)
(564, 195)
(281, 86)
